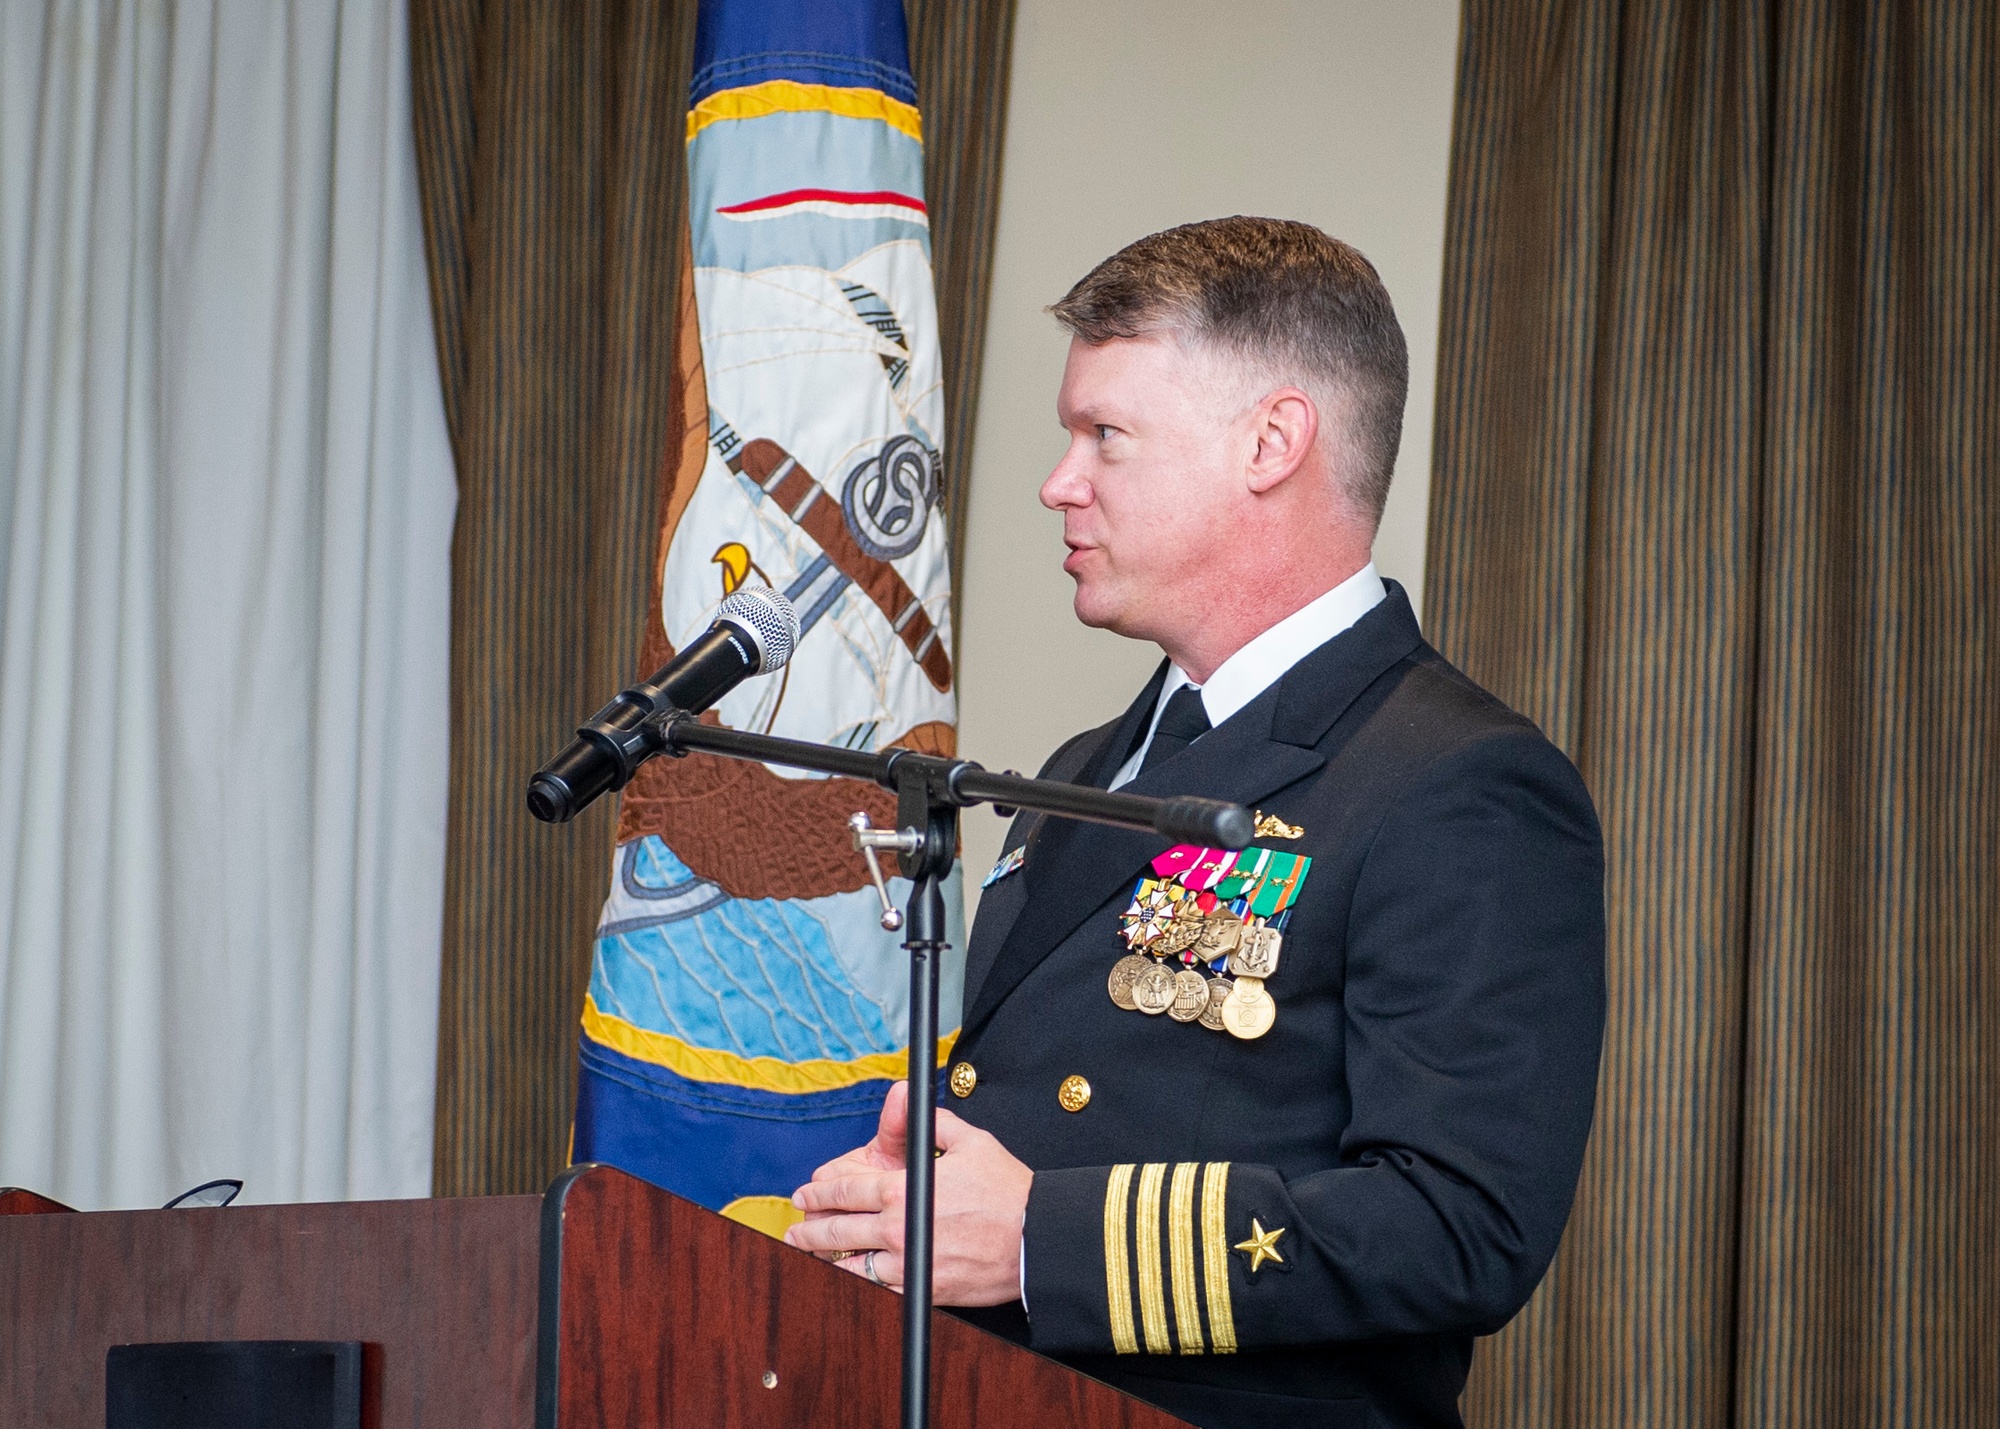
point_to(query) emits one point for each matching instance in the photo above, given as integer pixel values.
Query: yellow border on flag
(764, 1074)
(788, 96)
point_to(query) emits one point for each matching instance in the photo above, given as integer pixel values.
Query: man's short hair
(1286, 295)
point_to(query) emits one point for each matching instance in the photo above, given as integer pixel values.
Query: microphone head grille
(769, 619)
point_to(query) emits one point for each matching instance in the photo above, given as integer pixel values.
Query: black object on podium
(234, 1384)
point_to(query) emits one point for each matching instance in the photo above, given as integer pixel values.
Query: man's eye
(1103, 432)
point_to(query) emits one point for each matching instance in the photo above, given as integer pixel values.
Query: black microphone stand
(929, 793)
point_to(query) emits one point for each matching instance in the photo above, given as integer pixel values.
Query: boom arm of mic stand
(961, 783)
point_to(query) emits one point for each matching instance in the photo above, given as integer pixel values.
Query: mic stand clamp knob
(868, 839)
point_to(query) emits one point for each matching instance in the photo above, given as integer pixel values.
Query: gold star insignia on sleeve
(1262, 1245)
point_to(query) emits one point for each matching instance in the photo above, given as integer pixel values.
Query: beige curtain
(550, 144)
(1717, 500)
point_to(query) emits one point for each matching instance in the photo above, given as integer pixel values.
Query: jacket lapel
(1092, 764)
(1317, 691)
(1072, 868)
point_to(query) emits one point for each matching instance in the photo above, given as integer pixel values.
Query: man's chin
(1086, 608)
(1094, 610)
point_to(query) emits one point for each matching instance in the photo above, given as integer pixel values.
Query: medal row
(1239, 1006)
(1165, 922)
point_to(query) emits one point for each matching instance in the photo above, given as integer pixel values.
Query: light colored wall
(1127, 118)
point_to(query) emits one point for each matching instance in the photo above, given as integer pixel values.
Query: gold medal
(1221, 931)
(1153, 990)
(1257, 955)
(1190, 996)
(1249, 1011)
(1181, 934)
(1211, 1015)
(1124, 973)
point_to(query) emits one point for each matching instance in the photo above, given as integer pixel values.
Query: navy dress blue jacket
(1412, 1125)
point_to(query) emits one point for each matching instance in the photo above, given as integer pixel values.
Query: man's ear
(1285, 426)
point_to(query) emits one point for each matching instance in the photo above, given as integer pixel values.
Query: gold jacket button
(1073, 1094)
(964, 1077)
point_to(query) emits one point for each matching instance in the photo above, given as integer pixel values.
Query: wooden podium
(605, 1302)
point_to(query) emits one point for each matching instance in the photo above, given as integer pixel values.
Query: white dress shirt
(1264, 661)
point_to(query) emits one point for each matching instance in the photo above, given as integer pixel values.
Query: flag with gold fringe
(746, 1011)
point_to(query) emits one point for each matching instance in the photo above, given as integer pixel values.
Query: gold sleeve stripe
(1215, 1255)
(1180, 1258)
(1146, 1241)
(1117, 1263)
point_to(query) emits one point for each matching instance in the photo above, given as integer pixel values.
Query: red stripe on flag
(825, 196)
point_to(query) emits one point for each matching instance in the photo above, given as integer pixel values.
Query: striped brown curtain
(960, 53)
(1717, 500)
(550, 147)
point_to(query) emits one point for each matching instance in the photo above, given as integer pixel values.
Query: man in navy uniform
(1265, 1138)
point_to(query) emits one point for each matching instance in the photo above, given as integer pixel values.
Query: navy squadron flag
(746, 1011)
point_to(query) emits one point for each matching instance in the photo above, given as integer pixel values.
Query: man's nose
(1066, 485)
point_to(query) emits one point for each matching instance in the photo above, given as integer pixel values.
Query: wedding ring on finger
(868, 1269)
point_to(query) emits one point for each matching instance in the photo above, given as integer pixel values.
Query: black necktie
(1182, 722)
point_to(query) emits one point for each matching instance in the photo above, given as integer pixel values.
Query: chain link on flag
(746, 1011)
